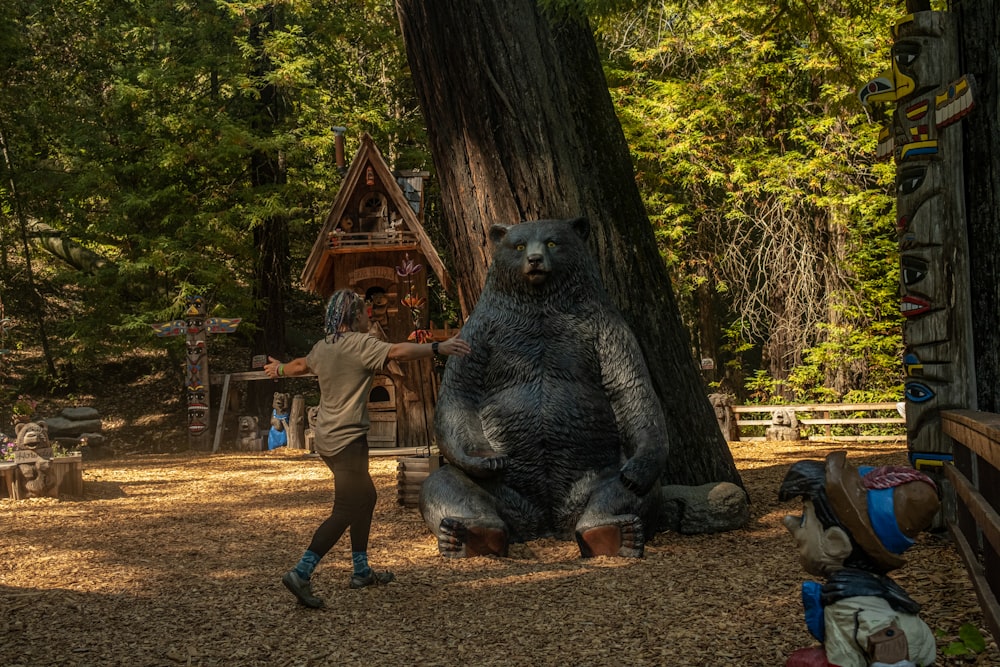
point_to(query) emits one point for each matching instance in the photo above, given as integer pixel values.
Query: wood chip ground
(175, 559)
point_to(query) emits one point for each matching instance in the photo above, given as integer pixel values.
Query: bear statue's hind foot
(621, 538)
(463, 539)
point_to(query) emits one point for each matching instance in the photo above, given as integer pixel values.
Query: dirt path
(175, 559)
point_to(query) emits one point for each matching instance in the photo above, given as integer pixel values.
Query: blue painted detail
(918, 392)
(811, 601)
(882, 513)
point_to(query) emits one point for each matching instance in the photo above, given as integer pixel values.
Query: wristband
(281, 370)
(434, 347)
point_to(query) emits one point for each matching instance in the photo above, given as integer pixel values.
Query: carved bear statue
(248, 435)
(33, 455)
(277, 436)
(550, 424)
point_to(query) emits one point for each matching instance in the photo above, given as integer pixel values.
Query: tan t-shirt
(345, 368)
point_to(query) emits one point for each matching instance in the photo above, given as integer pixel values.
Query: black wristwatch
(434, 347)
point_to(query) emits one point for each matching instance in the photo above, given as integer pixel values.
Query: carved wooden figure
(725, 416)
(854, 527)
(277, 436)
(248, 435)
(929, 95)
(196, 327)
(33, 456)
(784, 425)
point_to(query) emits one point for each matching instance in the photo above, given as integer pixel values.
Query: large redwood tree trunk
(522, 127)
(979, 30)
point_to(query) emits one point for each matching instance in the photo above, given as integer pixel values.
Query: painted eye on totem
(917, 392)
(520, 247)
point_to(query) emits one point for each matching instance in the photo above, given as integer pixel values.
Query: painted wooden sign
(929, 96)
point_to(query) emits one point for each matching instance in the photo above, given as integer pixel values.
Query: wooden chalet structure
(373, 242)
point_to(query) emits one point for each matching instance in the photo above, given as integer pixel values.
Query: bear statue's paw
(485, 466)
(463, 538)
(619, 536)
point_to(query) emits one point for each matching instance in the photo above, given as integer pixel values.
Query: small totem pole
(929, 97)
(196, 327)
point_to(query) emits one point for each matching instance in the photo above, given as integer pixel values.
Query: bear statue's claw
(620, 538)
(460, 538)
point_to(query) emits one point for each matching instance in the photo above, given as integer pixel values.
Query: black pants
(354, 498)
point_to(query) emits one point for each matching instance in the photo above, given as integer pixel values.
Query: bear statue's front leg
(462, 515)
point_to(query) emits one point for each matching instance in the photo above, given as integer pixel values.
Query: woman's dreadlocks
(343, 308)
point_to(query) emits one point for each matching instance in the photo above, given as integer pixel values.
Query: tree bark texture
(979, 52)
(522, 127)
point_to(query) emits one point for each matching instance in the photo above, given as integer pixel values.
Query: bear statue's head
(541, 256)
(247, 425)
(281, 402)
(32, 435)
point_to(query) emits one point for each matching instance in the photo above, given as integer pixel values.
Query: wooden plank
(985, 516)
(855, 420)
(818, 407)
(987, 598)
(218, 378)
(835, 438)
(978, 431)
(820, 422)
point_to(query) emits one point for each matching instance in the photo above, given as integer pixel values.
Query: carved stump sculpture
(725, 416)
(33, 457)
(784, 425)
(248, 435)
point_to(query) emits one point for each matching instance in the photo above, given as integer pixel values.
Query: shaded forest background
(162, 149)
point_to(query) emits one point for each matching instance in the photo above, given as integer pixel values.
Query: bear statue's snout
(535, 270)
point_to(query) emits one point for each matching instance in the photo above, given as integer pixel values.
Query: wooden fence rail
(974, 522)
(819, 419)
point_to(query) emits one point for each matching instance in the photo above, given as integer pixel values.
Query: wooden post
(220, 425)
(296, 423)
(196, 327)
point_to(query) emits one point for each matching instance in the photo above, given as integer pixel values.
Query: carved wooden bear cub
(550, 424)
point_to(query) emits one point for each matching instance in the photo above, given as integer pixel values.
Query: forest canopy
(185, 148)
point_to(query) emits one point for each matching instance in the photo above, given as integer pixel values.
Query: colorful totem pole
(197, 327)
(928, 96)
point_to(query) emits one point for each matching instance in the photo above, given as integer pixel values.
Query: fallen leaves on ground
(176, 559)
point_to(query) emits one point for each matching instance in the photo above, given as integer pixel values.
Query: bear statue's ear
(18, 427)
(497, 232)
(581, 226)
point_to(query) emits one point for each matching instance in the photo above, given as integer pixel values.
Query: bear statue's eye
(520, 247)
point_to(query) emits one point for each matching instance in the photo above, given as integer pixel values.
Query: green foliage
(756, 164)
(145, 132)
(970, 641)
(142, 131)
